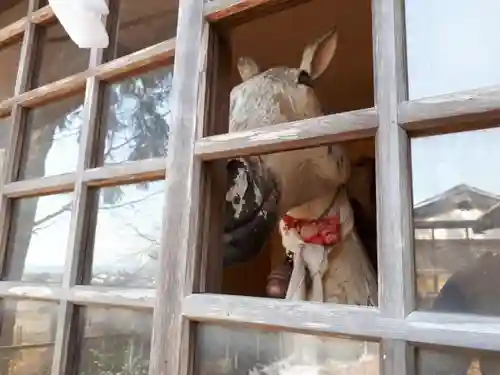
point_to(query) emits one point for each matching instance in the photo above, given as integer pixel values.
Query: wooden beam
(236, 12)
(79, 294)
(161, 53)
(300, 134)
(285, 315)
(479, 105)
(143, 170)
(42, 16)
(112, 296)
(12, 162)
(394, 198)
(40, 186)
(77, 250)
(12, 31)
(179, 244)
(362, 323)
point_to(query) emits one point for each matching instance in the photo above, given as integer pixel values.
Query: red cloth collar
(325, 231)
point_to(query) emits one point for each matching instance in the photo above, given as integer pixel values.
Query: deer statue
(306, 191)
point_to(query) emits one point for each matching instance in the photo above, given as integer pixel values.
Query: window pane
(38, 239)
(9, 56)
(116, 341)
(58, 56)
(137, 117)
(27, 337)
(143, 24)
(52, 139)
(240, 351)
(127, 239)
(457, 363)
(451, 48)
(457, 199)
(12, 10)
(5, 127)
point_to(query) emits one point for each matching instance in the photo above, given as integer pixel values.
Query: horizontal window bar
(12, 31)
(40, 186)
(43, 15)
(125, 173)
(132, 172)
(313, 132)
(80, 294)
(116, 69)
(90, 295)
(244, 10)
(15, 29)
(466, 106)
(419, 328)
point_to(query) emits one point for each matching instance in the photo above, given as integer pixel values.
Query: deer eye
(304, 78)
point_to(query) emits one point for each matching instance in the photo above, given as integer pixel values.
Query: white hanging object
(82, 21)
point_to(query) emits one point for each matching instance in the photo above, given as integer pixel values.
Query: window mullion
(394, 203)
(178, 254)
(75, 244)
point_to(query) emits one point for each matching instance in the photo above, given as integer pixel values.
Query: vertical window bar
(75, 248)
(179, 244)
(394, 202)
(10, 164)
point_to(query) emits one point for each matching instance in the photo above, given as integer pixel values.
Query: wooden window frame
(192, 190)
(395, 324)
(91, 82)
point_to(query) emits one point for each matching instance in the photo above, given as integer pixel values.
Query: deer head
(262, 188)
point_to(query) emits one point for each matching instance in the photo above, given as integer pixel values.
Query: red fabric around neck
(325, 231)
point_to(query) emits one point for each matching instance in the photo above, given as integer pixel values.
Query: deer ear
(247, 68)
(319, 54)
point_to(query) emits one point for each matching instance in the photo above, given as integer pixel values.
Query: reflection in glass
(115, 341)
(38, 238)
(52, 139)
(451, 48)
(143, 24)
(456, 196)
(137, 117)
(11, 11)
(27, 337)
(457, 363)
(127, 235)
(9, 56)
(5, 127)
(222, 350)
(58, 56)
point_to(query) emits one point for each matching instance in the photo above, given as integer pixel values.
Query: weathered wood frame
(191, 192)
(394, 324)
(86, 177)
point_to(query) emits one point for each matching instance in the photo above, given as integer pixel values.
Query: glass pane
(127, 238)
(143, 24)
(457, 363)
(137, 117)
(52, 139)
(240, 351)
(451, 47)
(457, 199)
(38, 239)
(116, 341)
(12, 10)
(5, 127)
(9, 56)
(58, 56)
(27, 337)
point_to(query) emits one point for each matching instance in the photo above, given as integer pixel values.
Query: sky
(453, 46)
